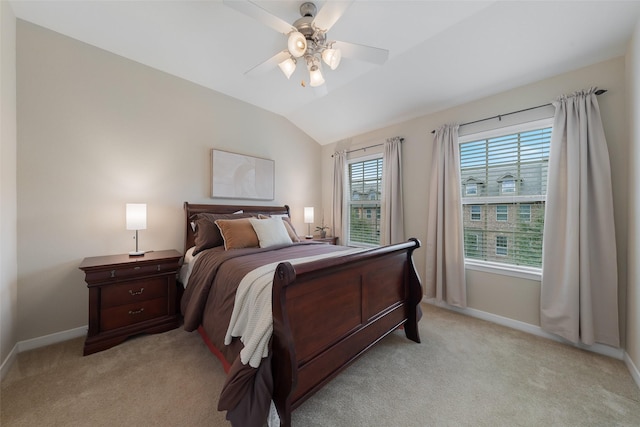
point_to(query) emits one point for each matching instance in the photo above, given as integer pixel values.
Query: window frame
(506, 213)
(362, 201)
(528, 214)
(520, 271)
(471, 212)
(504, 246)
(511, 189)
(468, 187)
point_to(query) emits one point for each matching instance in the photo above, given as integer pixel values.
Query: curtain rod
(370, 146)
(500, 116)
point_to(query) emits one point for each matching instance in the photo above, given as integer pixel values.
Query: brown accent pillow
(207, 234)
(238, 233)
(287, 224)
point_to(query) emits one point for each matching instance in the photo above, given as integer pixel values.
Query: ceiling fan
(307, 40)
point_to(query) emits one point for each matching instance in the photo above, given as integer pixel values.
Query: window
(472, 186)
(365, 188)
(508, 186)
(502, 213)
(511, 163)
(471, 189)
(502, 245)
(472, 244)
(476, 213)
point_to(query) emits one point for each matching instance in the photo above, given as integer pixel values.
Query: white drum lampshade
(136, 220)
(308, 219)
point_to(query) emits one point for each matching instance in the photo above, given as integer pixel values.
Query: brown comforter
(208, 301)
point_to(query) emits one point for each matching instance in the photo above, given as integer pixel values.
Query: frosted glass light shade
(308, 215)
(288, 66)
(136, 216)
(315, 76)
(332, 57)
(297, 44)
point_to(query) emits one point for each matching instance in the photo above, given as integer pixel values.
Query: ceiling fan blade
(330, 13)
(372, 54)
(268, 64)
(258, 13)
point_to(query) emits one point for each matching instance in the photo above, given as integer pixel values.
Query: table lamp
(308, 219)
(136, 220)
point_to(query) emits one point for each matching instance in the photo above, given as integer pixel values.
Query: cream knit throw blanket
(252, 319)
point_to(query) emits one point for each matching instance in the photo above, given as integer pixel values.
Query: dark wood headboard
(191, 209)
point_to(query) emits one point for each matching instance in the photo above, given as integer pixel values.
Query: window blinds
(504, 181)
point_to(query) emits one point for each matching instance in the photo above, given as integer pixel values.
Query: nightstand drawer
(134, 291)
(124, 315)
(123, 273)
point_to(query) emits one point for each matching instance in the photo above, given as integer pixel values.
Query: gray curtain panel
(579, 295)
(337, 222)
(392, 202)
(445, 275)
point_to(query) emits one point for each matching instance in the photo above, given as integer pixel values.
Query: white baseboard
(7, 363)
(633, 369)
(605, 350)
(37, 343)
(52, 339)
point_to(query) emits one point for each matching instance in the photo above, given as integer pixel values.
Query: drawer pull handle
(133, 312)
(158, 267)
(136, 268)
(133, 293)
(113, 274)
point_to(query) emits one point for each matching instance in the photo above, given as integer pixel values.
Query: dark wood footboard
(327, 313)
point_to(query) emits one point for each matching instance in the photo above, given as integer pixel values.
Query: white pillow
(270, 232)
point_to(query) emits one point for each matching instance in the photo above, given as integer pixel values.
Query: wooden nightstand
(129, 295)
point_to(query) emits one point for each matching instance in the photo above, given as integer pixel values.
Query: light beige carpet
(466, 372)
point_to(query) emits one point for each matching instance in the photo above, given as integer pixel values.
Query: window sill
(530, 273)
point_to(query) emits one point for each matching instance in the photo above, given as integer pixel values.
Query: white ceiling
(442, 53)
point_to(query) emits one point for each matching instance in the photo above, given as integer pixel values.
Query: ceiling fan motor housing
(316, 37)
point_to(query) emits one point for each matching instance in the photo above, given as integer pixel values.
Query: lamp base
(308, 237)
(136, 253)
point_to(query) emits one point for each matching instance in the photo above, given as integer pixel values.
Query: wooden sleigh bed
(326, 313)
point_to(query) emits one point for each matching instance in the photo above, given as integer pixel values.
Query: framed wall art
(237, 176)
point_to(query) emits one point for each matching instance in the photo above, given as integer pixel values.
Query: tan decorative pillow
(238, 233)
(207, 234)
(287, 224)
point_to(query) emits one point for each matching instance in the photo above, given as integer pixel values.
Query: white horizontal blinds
(504, 181)
(365, 191)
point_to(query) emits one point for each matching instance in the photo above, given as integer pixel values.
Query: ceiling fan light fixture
(315, 76)
(288, 66)
(332, 57)
(297, 44)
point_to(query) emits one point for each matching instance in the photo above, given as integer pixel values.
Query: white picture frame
(238, 176)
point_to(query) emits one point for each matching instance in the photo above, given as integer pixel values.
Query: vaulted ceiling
(441, 53)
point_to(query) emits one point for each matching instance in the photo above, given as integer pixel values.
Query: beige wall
(8, 209)
(96, 131)
(633, 291)
(502, 295)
